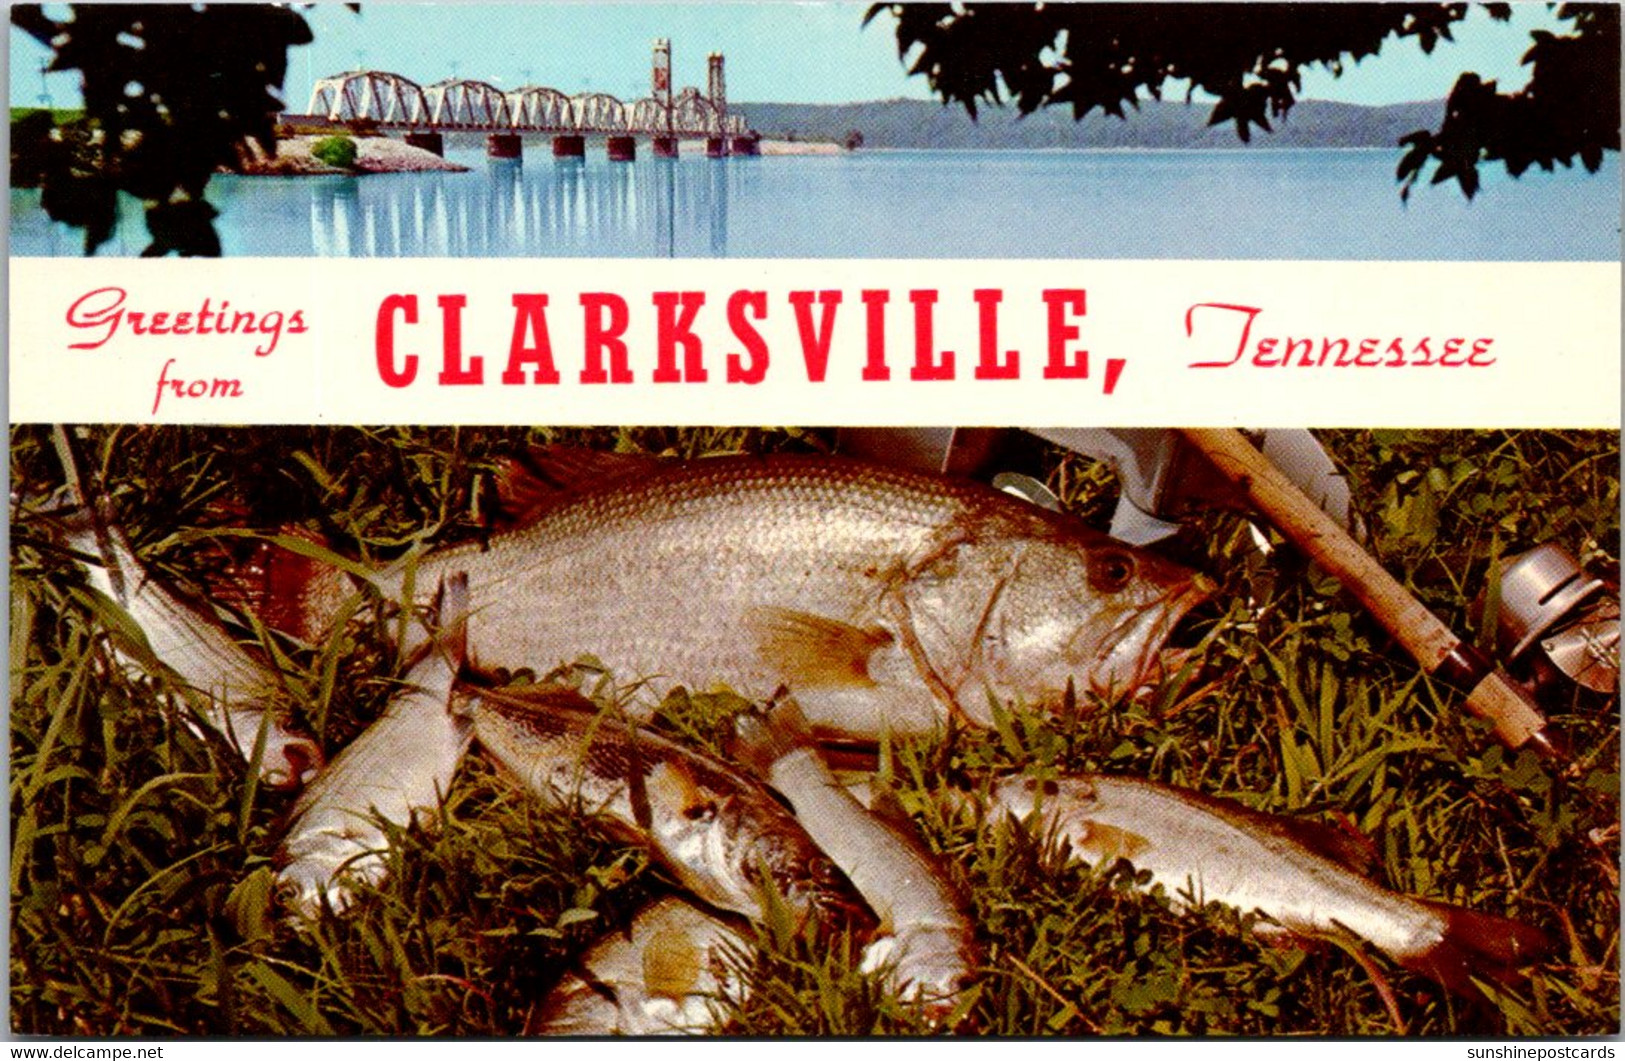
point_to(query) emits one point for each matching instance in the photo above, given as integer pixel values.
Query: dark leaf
(203, 79)
(185, 228)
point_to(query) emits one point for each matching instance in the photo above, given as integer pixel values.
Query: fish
(231, 689)
(393, 775)
(927, 948)
(675, 970)
(884, 600)
(1311, 880)
(722, 835)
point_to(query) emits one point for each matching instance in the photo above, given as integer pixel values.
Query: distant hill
(904, 123)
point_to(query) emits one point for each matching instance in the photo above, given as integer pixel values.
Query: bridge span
(422, 114)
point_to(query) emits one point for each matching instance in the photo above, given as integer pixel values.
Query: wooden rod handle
(1491, 695)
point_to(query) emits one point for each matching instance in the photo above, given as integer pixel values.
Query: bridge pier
(665, 147)
(747, 145)
(503, 145)
(569, 146)
(716, 147)
(621, 148)
(433, 142)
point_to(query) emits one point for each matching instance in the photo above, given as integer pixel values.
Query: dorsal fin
(1342, 843)
(884, 803)
(670, 786)
(530, 484)
(541, 697)
(761, 739)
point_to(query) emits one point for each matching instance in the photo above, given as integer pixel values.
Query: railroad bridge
(424, 113)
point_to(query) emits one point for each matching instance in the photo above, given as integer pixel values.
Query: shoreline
(374, 154)
(801, 147)
(383, 154)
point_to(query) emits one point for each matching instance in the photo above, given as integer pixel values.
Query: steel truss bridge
(395, 102)
(392, 103)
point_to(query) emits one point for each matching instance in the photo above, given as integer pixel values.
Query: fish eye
(700, 812)
(1110, 571)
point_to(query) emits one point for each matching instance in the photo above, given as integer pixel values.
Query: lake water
(1239, 204)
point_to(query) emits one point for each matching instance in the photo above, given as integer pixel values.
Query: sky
(777, 51)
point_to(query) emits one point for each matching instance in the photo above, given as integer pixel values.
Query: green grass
(59, 115)
(141, 854)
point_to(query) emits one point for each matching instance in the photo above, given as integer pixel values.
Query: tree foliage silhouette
(172, 93)
(1250, 57)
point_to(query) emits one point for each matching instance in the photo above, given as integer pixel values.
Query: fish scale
(749, 572)
(715, 829)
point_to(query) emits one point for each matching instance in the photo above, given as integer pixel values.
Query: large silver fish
(674, 971)
(721, 834)
(883, 599)
(1202, 849)
(928, 947)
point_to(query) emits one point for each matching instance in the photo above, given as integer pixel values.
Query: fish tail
(762, 738)
(1487, 946)
(288, 587)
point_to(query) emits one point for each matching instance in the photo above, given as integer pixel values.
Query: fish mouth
(1170, 633)
(300, 761)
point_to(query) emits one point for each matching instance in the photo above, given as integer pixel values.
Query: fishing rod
(1491, 694)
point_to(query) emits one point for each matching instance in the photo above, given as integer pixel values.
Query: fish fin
(1280, 937)
(884, 803)
(671, 786)
(452, 638)
(762, 738)
(811, 650)
(529, 485)
(637, 782)
(1108, 843)
(1339, 842)
(671, 964)
(446, 651)
(540, 697)
(287, 590)
(1342, 843)
(1488, 946)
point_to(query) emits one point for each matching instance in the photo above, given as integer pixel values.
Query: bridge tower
(716, 89)
(660, 88)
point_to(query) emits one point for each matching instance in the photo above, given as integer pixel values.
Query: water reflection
(967, 204)
(549, 207)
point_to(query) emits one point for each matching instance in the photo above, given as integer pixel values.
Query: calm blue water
(1177, 204)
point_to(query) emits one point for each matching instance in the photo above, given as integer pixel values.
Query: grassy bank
(141, 853)
(59, 115)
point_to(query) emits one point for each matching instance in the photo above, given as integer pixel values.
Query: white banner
(1019, 343)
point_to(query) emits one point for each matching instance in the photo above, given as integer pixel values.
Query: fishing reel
(1554, 623)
